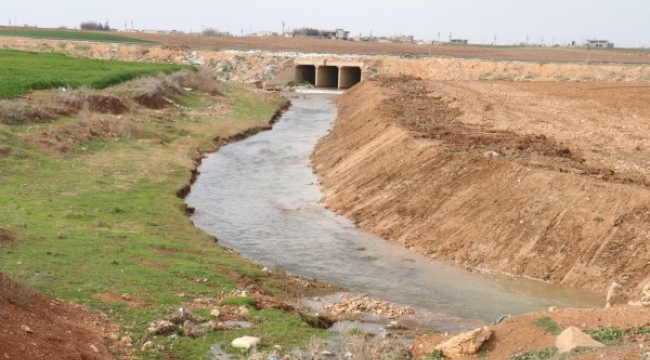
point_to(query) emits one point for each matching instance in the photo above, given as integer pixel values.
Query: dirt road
(544, 180)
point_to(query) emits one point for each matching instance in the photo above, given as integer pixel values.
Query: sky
(624, 22)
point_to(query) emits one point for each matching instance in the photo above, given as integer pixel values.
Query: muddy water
(259, 196)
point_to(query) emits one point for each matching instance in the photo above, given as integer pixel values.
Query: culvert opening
(349, 76)
(306, 74)
(327, 76)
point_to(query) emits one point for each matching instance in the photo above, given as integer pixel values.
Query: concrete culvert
(349, 76)
(306, 74)
(327, 76)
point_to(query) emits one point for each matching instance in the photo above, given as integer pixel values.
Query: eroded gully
(260, 197)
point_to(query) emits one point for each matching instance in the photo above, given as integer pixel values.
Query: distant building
(342, 34)
(458, 41)
(599, 44)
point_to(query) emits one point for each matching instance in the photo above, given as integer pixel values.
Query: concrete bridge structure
(328, 73)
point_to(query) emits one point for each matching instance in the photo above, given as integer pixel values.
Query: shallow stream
(260, 197)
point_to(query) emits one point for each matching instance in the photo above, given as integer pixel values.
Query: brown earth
(518, 334)
(543, 180)
(35, 327)
(323, 46)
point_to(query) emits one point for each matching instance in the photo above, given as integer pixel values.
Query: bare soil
(519, 334)
(543, 180)
(324, 46)
(35, 327)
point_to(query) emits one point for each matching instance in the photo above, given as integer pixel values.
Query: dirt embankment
(35, 327)
(545, 180)
(262, 65)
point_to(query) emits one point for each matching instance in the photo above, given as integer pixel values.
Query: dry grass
(204, 81)
(352, 344)
(14, 113)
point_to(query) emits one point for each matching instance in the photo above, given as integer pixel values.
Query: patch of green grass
(70, 35)
(105, 218)
(435, 355)
(535, 354)
(607, 336)
(25, 71)
(547, 324)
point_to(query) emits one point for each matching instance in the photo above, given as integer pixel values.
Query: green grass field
(71, 35)
(25, 71)
(105, 218)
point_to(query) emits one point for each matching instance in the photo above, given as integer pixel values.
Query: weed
(361, 347)
(238, 301)
(548, 325)
(598, 219)
(607, 336)
(435, 355)
(535, 354)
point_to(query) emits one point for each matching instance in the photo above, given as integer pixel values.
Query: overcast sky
(624, 22)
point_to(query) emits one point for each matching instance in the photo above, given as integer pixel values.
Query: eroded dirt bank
(545, 180)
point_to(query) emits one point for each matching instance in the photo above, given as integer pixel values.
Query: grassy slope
(24, 71)
(105, 218)
(70, 35)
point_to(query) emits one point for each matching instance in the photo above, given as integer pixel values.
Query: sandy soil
(543, 180)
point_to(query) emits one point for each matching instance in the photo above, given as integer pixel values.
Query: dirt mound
(518, 178)
(35, 327)
(103, 104)
(527, 332)
(153, 101)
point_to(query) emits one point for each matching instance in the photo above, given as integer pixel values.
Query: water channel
(260, 197)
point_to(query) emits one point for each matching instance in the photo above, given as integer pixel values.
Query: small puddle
(260, 197)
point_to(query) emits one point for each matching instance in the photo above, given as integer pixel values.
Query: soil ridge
(496, 176)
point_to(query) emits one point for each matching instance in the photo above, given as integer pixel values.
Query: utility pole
(495, 40)
(283, 28)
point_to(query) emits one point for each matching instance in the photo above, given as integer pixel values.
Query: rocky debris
(572, 338)
(191, 58)
(465, 344)
(192, 330)
(246, 342)
(615, 295)
(361, 304)
(645, 295)
(161, 327)
(180, 316)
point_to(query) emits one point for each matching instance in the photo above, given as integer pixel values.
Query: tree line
(93, 25)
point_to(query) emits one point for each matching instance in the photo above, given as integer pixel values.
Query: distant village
(342, 34)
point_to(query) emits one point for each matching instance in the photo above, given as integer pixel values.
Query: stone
(94, 348)
(26, 329)
(465, 344)
(215, 313)
(645, 294)
(161, 327)
(615, 295)
(126, 297)
(572, 338)
(246, 342)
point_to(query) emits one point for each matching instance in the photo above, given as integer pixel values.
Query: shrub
(547, 324)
